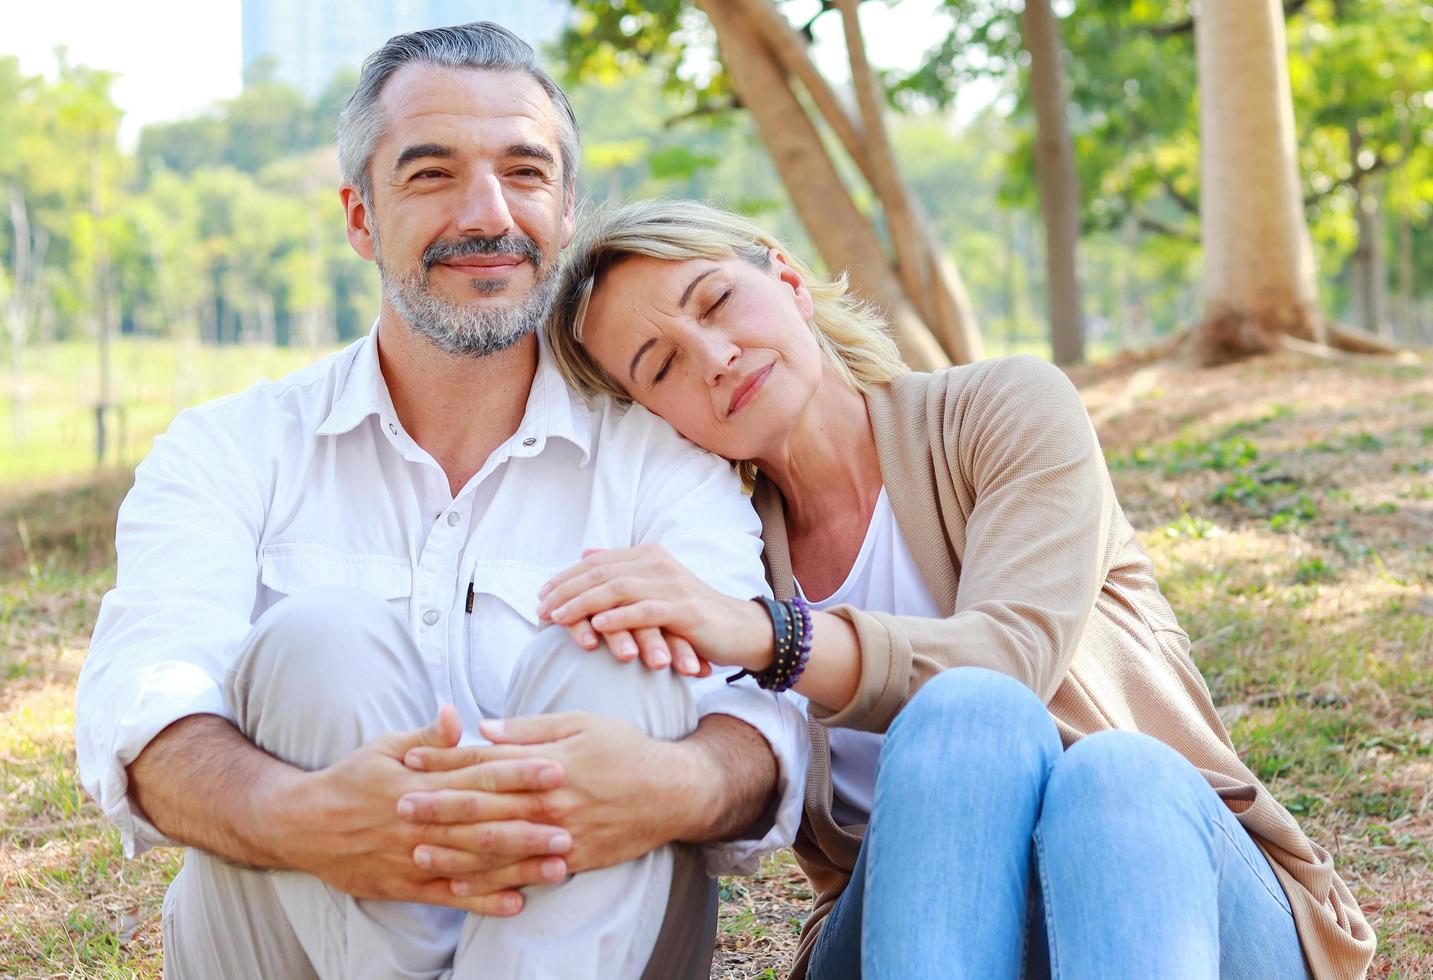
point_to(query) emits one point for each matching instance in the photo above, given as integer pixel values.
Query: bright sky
(174, 57)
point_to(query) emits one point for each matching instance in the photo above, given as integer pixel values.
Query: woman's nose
(720, 354)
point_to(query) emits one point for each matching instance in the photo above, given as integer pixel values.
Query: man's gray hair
(479, 45)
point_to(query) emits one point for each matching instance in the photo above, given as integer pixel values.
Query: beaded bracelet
(791, 627)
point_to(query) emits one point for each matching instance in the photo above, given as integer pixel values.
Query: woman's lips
(748, 390)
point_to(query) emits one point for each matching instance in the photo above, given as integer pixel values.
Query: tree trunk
(1405, 249)
(930, 279)
(1258, 259)
(1058, 184)
(790, 49)
(1369, 274)
(1373, 302)
(27, 264)
(840, 232)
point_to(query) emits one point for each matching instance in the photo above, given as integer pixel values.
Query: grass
(54, 435)
(1286, 504)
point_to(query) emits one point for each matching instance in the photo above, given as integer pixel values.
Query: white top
(883, 579)
(311, 480)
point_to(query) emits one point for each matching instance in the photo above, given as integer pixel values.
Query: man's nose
(484, 211)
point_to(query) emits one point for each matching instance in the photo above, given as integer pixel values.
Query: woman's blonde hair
(852, 334)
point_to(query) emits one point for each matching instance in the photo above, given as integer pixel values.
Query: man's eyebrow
(687, 293)
(534, 151)
(421, 151)
(632, 368)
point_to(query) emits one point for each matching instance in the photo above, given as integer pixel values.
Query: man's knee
(325, 670)
(555, 674)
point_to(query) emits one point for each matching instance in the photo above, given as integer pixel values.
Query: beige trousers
(326, 671)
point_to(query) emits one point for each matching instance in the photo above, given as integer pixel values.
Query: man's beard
(458, 329)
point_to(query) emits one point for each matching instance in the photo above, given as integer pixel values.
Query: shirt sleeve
(187, 544)
(690, 502)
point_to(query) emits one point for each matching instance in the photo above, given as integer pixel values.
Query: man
(309, 569)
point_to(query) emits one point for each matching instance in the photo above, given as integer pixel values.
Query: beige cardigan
(1000, 489)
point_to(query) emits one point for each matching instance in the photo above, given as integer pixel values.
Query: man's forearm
(202, 783)
(738, 771)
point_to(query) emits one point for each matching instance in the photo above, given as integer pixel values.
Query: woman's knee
(1121, 771)
(977, 715)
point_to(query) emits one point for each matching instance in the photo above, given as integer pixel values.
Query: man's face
(467, 212)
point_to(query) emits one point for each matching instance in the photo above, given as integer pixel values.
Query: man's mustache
(447, 249)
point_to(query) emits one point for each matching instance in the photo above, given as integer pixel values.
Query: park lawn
(1288, 505)
(152, 379)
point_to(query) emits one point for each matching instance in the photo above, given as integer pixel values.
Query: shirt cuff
(781, 720)
(166, 694)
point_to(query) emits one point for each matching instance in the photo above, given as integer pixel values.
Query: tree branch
(1380, 162)
(1160, 227)
(704, 109)
(1186, 203)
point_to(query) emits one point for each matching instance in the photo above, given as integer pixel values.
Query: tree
(1059, 186)
(767, 68)
(1258, 259)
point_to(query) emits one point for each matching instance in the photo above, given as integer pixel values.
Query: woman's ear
(786, 274)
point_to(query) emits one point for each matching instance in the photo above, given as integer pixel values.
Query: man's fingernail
(549, 776)
(559, 843)
(423, 858)
(413, 760)
(661, 658)
(461, 888)
(405, 809)
(629, 649)
(554, 869)
(511, 903)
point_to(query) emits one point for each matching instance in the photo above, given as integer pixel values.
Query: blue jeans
(994, 854)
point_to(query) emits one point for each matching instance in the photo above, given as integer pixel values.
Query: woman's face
(720, 349)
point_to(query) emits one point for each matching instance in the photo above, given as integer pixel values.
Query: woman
(1013, 756)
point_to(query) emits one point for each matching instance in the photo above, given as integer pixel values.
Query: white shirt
(311, 480)
(883, 579)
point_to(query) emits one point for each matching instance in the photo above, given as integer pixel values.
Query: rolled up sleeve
(187, 576)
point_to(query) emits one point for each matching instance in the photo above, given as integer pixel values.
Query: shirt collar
(553, 409)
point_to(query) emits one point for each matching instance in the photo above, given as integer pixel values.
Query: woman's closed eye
(725, 295)
(662, 371)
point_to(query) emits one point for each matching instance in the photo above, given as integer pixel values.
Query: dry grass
(1288, 505)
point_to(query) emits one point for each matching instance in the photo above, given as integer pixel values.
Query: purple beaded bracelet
(791, 626)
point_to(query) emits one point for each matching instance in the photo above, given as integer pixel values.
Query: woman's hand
(630, 594)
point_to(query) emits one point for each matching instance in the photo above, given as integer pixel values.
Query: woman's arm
(628, 589)
(1020, 495)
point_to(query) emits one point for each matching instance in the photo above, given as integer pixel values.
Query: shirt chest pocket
(501, 622)
(288, 569)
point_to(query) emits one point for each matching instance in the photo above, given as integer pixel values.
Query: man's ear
(356, 214)
(786, 274)
(569, 218)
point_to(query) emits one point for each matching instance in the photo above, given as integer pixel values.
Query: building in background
(307, 43)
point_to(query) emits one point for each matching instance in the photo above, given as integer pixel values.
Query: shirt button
(453, 518)
(392, 428)
(430, 617)
(529, 442)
